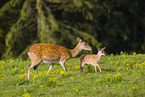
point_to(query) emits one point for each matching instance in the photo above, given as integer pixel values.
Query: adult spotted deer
(91, 59)
(52, 54)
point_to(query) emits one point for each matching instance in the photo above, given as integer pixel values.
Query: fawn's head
(84, 45)
(102, 51)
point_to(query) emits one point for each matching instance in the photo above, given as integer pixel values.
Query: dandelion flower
(133, 88)
(26, 95)
(126, 68)
(97, 80)
(121, 52)
(62, 72)
(127, 64)
(77, 67)
(41, 86)
(139, 54)
(25, 90)
(12, 61)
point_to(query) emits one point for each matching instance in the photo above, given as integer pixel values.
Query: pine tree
(51, 21)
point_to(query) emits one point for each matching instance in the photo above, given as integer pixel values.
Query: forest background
(119, 25)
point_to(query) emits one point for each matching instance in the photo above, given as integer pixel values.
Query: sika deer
(52, 54)
(91, 59)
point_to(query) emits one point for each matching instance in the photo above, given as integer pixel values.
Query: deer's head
(83, 45)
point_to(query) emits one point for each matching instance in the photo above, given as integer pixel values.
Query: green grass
(122, 75)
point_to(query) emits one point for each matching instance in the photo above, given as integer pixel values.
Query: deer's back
(49, 52)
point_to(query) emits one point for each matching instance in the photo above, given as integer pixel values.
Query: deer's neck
(74, 52)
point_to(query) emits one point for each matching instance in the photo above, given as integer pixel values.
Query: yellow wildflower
(133, 88)
(25, 90)
(41, 86)
(76, 89)
(22, 70)
(127, 64)
(77, 67)
(12, 61)
(121, 52)
(26, 95)
(139, 54)
(97, 80)
(62, 72)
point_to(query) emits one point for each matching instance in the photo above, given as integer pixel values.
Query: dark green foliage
(118, 25)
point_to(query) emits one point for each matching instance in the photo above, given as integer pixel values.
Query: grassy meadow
(122, 75)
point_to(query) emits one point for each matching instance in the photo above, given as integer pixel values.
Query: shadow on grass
(24, 82)
(108, 70)
(103, 70)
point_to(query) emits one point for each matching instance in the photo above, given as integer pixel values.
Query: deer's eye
(85, 44)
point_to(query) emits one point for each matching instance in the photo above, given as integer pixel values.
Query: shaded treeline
(117, 24)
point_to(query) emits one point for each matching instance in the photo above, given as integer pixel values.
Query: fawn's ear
(104, 48)
(98, 49)
(79, 40)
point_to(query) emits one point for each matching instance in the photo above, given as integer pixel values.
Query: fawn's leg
(81, 66)
(95, 69)
(99, 68)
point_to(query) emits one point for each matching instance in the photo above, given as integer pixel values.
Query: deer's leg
(81, 66)
(51, 65)
(28, 70)
(33, 63)
(63, 65)
(35, 68)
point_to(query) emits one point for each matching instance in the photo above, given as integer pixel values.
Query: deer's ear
(104, 48)
(79, 40)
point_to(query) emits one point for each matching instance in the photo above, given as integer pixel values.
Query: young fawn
(52, 54)
(91, 59)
